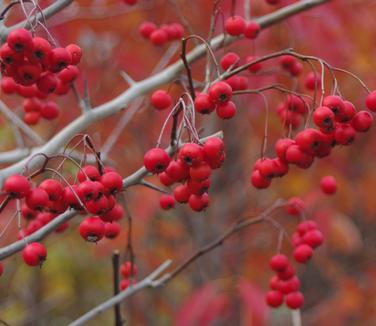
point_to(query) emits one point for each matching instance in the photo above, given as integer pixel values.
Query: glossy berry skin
(258, 181)
(37, 199)
(313, 238)
(34, 254)
(203, 104)
(41, 48)
(213, 149)
(20, 40)
(371, 101)
(177, 171)
(328, 185)
(165, 179)
(281, 147)
(88, 171)
(50, 110)
(75, 52)
(235, 25)
(294, 300)
(220, 92)
(158, 37)
(279, 262)
(114, 214)
(323, 117)
(252, 30)
(111, 230)
(166, 202)
(226, 110)
(92, 229)
(182, 193)
(47, 83)
(303, 253)
(58, 59)
(230, 59)
(17, 186)
(156, 160)
(274, 298)
(161, 100)
(362, 121)
(69, 74)
(8, 85)
(334, 103)
(191, 154)
(200, 172)
(53, 188)
(112, 182)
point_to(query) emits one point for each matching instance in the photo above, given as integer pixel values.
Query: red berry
(161, 100)
(69, 74)
(114, 214)
(254, 67)
(191, 154)
(47, 83)
(328, 185)
(371, 101)
(279, 262)
(165, 179)
(50, 110)
(295, 206)
(200, 172)
(226, 110)
(287, 273)
(158, 37)
(127, 269)
(362, 121)
(41, 48)
(37, 199)
(34, 254)
(58, 59)
(167, 202)
(112, 181)
(323, 117)
(88, 171)
(31, 118)
(182, 193)
(156, 160)
(28, 74)
(281, 147)
(258, 181)
(220, 92)
(252, 30)
(8, 85)
(230, 59)
(274, 298)
(28, 213)
(312, 81)
(27, 91)
(306, 226)
(235, 25)
(303, 253)
(294, 300)
(17, 186)
(177, 171)
(146, 29)
(75, 52)
(344, 134)
(20, 40)
(334, 103)
(111, 230)
(291, 285)
(53, 188)
(92, 229)
(313, 238)
(203, 104)
(198, 203)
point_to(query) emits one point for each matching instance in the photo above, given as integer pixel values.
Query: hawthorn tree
(185, 141)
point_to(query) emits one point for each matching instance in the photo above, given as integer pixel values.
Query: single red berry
(371, 101)
(28, 74)
(328, 185)
(165, 179)
(41, 48)
(50, 110)
(303, 253)
(344, 134)
(198, 203)
(99, 205)
(274, 298)
(287, 273)
(146, 28)
(287, 62)
(37, 199)
(348, 113)
(334, 103)
(289, 286)
(17, 186)
(158, 37)
(213, 149)
(294, 300)
(161, 100)
(226, 110)
(198, 187)
(87, 190)
(182, 193)
(20, 40)
(313, 238)
(114, 214)
(235, 25)
(88, 171)
(177, 170)
(53, 188)
(279, 262)
(112, 181)
(362, 121)
(323, 117)
(47, 83)
(200, 172)
(10, 57)
(111, 230)
(230, 59)
(191, 154)
(312, 81)
(306, 226)
(31, 118)
(8, 85)
(295, 155)
(252, 30)
(156, 160)
(128, 270)
(254, 67)
(258, 181)
(28, 213)
(281, 147)
(220, 92)
(58, 59)
(126, 283)
(75, 52)
(27, 91)
(92, 229)
(167, 202)
(69, 74)
(34, 254)
(237, 83)
(203, 104)
(295, 206)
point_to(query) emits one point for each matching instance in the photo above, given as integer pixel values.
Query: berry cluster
(192, 169)
(31, 67)
(285, 285)
(237, 26)
(338, 123)
(94, 194)
(128, 272)
(160, 36)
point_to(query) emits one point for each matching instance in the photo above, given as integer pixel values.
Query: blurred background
(227, 286)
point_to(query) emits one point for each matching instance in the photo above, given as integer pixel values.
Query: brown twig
(115, 269)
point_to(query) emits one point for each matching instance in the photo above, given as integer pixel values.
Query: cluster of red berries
(94, 194)
(217, 98)
(128, 272)
(192, 169)
(31, 67)
(160, 36)
(338, 123)
(237, 26)
(285, 284)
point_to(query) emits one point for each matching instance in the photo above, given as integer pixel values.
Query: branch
(148, 84)
(148, 281)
